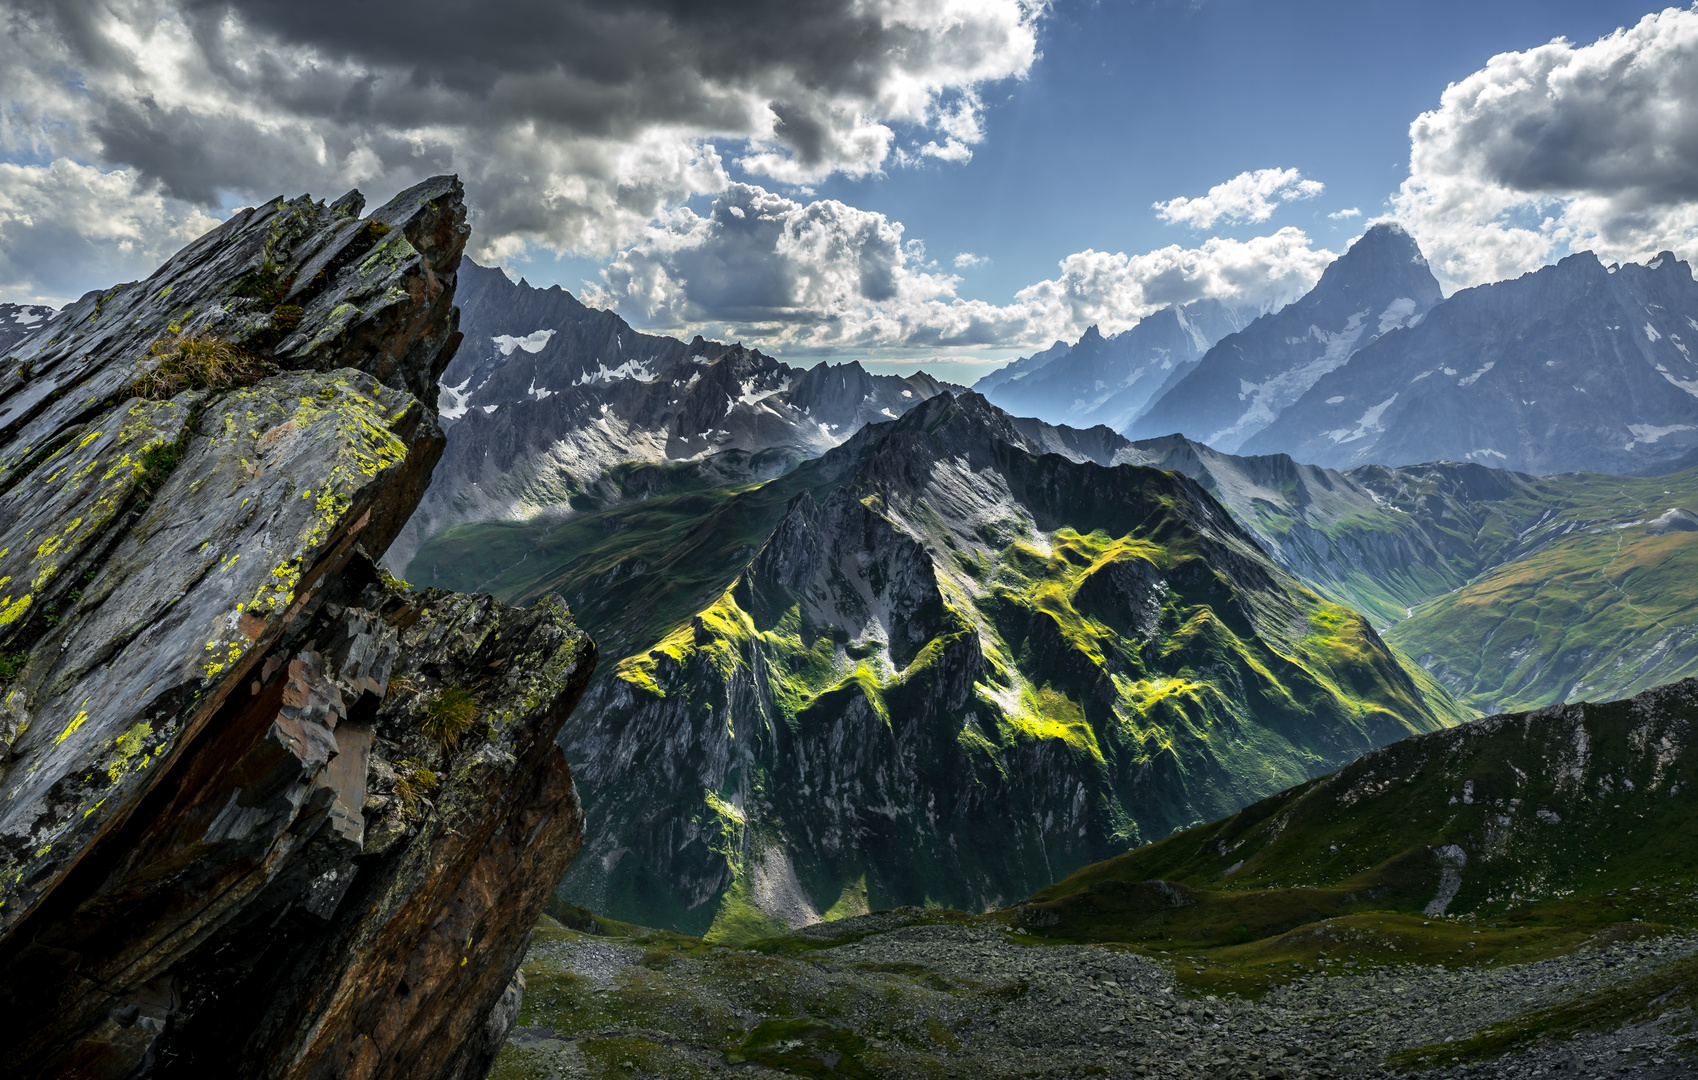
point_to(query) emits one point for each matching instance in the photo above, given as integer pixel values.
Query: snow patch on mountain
(1370, 421)
(532, 342)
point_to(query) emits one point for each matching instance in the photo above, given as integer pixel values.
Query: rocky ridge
(960, 662)
(550, 404)
(1248, 379)
(262, 810)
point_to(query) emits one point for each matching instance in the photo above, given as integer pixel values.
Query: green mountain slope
(1544, 827)
(955, 669)
(1514, 591)
(1603, 609)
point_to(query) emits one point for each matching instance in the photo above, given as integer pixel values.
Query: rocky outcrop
(263, 810)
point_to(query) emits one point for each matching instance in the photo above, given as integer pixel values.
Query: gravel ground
(941, 1001)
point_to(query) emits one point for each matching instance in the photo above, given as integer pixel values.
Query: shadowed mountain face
(963, 660)
(547, 398)
(1246, 380)
(1109, 380)
(1576, 366)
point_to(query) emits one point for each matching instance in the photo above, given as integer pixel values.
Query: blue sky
(1135, 102)
(768, 171)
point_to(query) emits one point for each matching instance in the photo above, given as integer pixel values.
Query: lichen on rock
(207, 864)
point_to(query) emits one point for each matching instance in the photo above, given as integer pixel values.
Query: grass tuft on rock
(448, 716)
(197, 362)
(412, 782)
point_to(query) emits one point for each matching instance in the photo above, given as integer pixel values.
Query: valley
(1505, 899)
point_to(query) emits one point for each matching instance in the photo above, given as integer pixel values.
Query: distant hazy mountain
(549, 404)
(1381, 284)
(1109, 380)
(1576, 366)
(1023, 366)
(18, 321)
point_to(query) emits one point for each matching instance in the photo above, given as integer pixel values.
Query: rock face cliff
(263, 810)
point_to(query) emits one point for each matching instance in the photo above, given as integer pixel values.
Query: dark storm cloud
(798, 75)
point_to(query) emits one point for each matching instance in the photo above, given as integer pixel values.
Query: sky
(934, 183)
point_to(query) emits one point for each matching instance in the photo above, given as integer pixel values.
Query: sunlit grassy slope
(1514, 591)
(1598, 611)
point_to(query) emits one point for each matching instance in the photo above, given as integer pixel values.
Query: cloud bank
(1561, 148)
(575, 123)
(769, 270)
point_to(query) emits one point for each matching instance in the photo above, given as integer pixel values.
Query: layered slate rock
(229, 840)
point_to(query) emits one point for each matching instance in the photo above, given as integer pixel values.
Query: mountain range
(19, 321)
(1575, 367)
(1514, 591)
(962, 657)
(664, 550)
(549, 404)
(1382, 283)
(1109, 380)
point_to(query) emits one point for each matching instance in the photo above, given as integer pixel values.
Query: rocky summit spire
(263, 810)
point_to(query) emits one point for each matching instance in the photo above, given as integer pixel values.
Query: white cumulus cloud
(1561, 148)
(778, 273)
(1349, 212)
(64, 226)
(1249, 196)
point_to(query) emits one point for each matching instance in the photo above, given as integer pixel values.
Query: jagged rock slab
(551, 402)
(1249, 378)
(1574, 367)
(228, 843)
